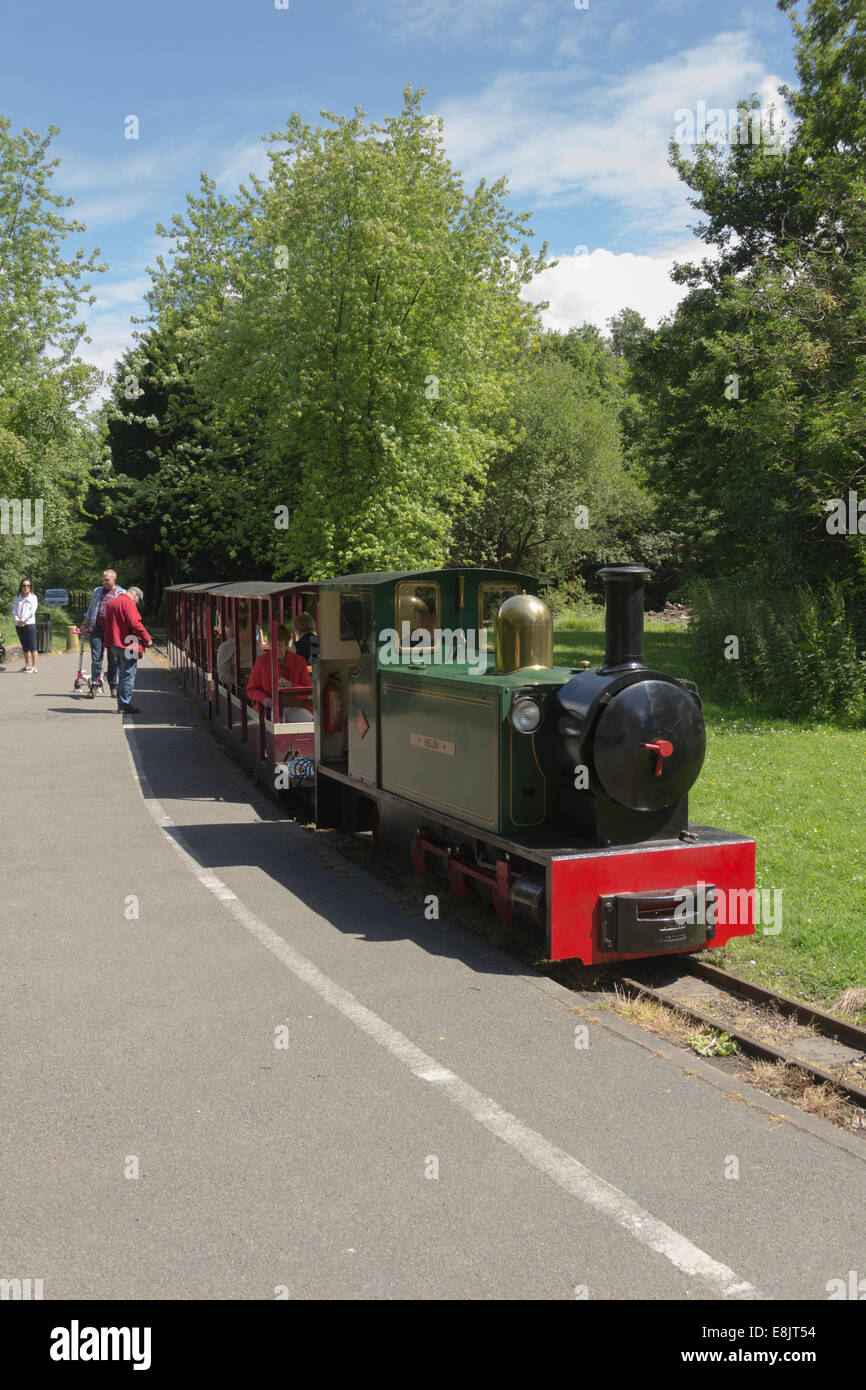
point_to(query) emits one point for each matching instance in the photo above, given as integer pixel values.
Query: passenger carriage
(200, 619)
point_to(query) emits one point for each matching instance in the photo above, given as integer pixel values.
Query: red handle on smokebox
(662, 749)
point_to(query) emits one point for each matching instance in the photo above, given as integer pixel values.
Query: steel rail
(825, 1023)
(751, 1045)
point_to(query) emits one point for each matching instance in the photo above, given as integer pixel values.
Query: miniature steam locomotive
(442, 726)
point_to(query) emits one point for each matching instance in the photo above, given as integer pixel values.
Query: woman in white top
(24, 614)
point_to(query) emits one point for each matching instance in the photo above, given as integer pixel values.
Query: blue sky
(575, 106)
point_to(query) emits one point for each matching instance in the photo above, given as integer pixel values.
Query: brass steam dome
(524, 634)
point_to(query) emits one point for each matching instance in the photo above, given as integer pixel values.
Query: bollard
(72, 640)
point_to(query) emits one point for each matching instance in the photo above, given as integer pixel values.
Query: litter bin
(43, 635)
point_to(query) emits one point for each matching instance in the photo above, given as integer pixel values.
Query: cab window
(417, 605)
(491, 595)
(351, 618)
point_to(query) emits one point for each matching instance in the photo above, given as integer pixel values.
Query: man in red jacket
(126, 634)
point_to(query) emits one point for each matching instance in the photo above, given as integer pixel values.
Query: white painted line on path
(576, 1179)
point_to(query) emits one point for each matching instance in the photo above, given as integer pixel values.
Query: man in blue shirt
(94, 619)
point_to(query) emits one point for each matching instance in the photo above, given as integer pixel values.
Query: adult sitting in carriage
(306, 641)
(225, 657)
(292, 672)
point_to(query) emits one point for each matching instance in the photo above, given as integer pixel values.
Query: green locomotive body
(429, 722)
(447, 744)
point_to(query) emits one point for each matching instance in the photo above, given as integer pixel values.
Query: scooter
(83, 682)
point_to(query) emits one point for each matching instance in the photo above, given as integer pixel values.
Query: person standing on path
(94, 619)
(125, 635)
(24, 613)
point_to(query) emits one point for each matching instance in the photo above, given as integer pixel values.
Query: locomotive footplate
(652, 923)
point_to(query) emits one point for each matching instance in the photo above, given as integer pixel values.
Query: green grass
(800, 790)
(60, 621)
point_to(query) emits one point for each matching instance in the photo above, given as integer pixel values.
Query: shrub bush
(567, 597)
(797, 657)
(60, 617)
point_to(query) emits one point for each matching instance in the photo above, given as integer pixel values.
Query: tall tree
(47, 444)
(563, 495)
(550, 494)
(178, 494)
(370, 308)
(755, 390)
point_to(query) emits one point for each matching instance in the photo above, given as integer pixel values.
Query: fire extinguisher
(333, 707)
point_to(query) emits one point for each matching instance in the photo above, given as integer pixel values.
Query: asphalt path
(236, 1066)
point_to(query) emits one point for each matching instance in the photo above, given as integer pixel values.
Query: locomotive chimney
(623, 621)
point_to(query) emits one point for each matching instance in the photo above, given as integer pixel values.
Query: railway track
(764, 1024)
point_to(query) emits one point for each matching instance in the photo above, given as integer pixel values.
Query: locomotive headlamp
(525, 714)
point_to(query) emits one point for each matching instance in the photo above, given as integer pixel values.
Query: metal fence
(78, 601)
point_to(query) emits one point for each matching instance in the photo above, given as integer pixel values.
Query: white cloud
(111, 335)
(114, 208)
(135, 164)
(622, 32)
(108, 321)
(560, 142)
(119, 192)
(120, 292)
(512, 23)
(590, 288)
(673, 6)
(143, 254)
(241, 160)
(116, 191)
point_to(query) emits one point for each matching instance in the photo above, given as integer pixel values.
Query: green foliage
(627, 329)
(595, 364)
(68, 564)
(565, 456)
(567, 602)
(710, 1043)
(60, 617)
(16, 563)
(72, 564)
(182, 493)
(344, 337)
(563, 495)
(754, 392)
(797, 652)
(47, 446)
